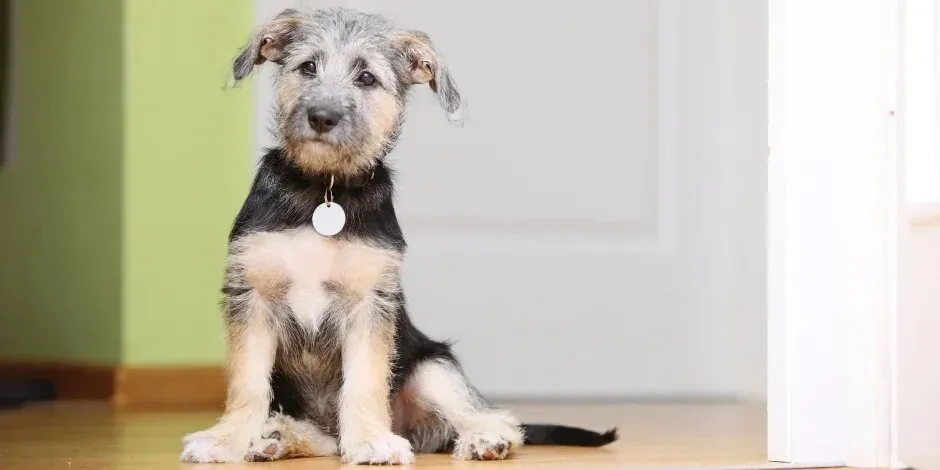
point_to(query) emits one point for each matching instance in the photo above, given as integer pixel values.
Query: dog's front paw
(385, 450)
(485, 446)
(215, 446)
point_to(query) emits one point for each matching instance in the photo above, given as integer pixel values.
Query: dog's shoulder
(279, 198)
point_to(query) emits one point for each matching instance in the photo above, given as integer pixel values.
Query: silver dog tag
(329, 219)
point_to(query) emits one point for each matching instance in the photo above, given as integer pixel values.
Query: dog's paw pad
(266, 450)
(482, 446)
(385, 450)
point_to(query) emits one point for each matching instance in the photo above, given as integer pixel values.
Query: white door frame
(833, 231)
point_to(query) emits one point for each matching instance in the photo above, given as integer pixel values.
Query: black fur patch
(283, 197)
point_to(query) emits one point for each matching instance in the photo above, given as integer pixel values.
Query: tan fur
(262, 273)
(252, 347)
(294, 439)
(385, 114)
(361, 268)
(287, 91)
(322, 157)
(293, 266)
(303, 260)
(442, 390)
(365, 411)
(271, 38)
(308, 262)
(311, 155)
(424, 60)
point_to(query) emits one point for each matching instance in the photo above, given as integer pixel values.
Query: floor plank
(652, 435)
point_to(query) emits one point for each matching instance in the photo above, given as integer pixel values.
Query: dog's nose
(323, 119)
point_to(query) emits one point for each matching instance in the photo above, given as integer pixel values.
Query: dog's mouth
(320, 140)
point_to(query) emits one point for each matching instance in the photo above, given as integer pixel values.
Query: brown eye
(366, 79)
(309, 67)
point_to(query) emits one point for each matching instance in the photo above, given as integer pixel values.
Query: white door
(596, 229)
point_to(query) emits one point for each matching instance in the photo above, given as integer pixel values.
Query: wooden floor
(652, 435)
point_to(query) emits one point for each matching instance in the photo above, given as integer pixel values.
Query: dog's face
(341, 84)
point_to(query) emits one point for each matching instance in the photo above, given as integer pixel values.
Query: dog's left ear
(269, 43)
(424, 65)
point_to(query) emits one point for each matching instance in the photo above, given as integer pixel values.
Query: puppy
(323, 359)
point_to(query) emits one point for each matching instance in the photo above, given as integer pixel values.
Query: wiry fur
(323, 358)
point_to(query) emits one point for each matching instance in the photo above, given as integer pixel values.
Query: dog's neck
(283, 196)
(344, 181)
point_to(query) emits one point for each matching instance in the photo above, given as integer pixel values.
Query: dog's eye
(309, 67)
(366, 79)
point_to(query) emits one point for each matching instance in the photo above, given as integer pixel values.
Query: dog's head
(342, 80)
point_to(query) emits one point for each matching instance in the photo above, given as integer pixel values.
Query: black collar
(348, 181)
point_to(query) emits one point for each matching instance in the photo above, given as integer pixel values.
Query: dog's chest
(309, 271)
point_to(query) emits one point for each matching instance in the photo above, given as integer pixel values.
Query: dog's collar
(348, 181)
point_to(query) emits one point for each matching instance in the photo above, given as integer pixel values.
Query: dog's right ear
(269, 43)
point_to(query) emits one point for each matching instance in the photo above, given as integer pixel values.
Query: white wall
(918, 350)
(620, 252)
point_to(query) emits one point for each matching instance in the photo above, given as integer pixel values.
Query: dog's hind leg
(286, 438)
(439, 389)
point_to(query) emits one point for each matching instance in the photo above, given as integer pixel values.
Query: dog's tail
(560, 435)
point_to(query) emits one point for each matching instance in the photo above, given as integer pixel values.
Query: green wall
(189, 151)
(132, 163)
(60, 199)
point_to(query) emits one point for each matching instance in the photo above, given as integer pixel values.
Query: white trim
(778, 377)
(669, 53)
(832, 235)
(921, 103)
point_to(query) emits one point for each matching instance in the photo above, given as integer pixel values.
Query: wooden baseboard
(199, 387)
(71, 381)
(128, 387)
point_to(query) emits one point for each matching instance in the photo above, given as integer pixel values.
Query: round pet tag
(328, 219)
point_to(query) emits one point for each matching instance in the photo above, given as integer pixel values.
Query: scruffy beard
(319, 156)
